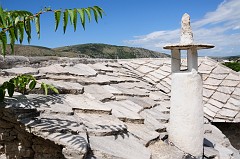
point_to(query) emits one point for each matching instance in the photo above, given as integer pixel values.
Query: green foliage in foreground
(23, 84)
(15, 24)
(233, 65)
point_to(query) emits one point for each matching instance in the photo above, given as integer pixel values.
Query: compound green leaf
(99, 10)
(37, 24)
(75, 19)
(27, 27)
(65, 20)
(10, 88)
(3, 39)
(32, 84)
(88, 11)
(95, 11)
(2, 18)
(45, 88)
(21, 31)
(2, 94)
(12, 38)
(57, 15)
(54, 89)
(82, 16)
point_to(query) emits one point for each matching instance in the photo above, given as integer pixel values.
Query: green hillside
(87, 51)
(111, 51)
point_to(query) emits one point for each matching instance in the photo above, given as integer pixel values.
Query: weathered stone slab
(53, 69)
(157, 75)
(231, 106)
(229, 83)
(220, 70)
(133, 65)
(209, 112)
(237, 91)
(64, 87)
(210, 152)
(81, 103)
(112, 90)
(161, 150)
(223, 151)
(97, 92)
(226, 90)
(155, 121)
(154, 79)
(163, 88)
(213, 81)
(126, 111)
(101, 67)
(228, 112)
(75, 146)
(120, 146)
(203, 68)
(142, 132)
(144, 102)
(54, 123)
(233, 77)
(145, 69)
(235, 102)
(166, 68)
(211, 107)
(151, 65)
(164, 73)
(215, 103)
(159, 96)
(102, 125)
(222, 97)
(207, 92)
(21, 70)
(218, 76)
(81, 70)
(211, 87)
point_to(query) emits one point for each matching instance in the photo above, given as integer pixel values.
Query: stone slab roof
(117, 106)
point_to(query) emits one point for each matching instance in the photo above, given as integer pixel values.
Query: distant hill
(30, 50)
(87, 51)
(111, 51)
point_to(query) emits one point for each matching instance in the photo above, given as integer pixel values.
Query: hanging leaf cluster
(23, 84)
(18, 23)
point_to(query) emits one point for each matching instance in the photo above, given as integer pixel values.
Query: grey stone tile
(21, 70)
(228, 112)
(222, 97)
(221, 70)
(81, 103)
(102, 124)
(96, 92)
(212, 81)
(119, 146)
(142, 132)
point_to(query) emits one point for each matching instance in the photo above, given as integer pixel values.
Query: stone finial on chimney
(186, 31)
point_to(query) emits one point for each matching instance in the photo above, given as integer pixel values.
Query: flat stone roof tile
(222, 97)
(220, 70)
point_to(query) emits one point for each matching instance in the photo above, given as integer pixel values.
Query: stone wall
(232, 132)
(16, 142)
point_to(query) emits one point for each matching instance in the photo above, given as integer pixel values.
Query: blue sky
(149, 24)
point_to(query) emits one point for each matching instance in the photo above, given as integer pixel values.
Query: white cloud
(220, 27)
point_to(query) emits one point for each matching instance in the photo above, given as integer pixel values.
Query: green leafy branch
(17, 22)
(23, 84)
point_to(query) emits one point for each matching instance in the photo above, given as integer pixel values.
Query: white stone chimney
(186, 113)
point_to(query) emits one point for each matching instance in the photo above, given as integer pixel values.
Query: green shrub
(233, 65)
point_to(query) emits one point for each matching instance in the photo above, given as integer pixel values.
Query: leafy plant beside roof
(23, 84)
(15, 23)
